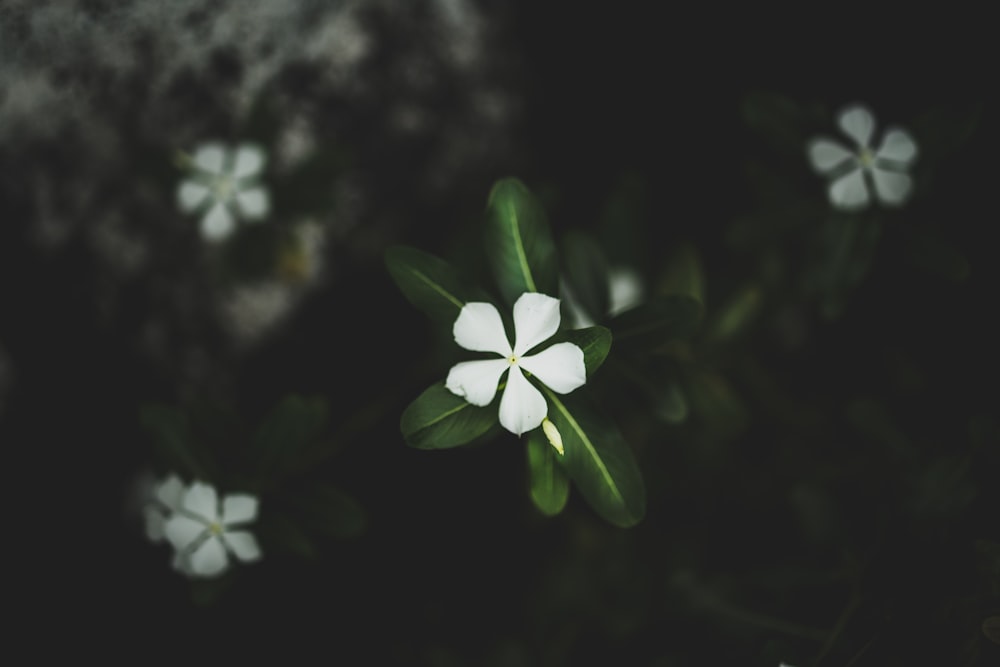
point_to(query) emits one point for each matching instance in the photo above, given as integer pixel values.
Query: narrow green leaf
(598, 459)
(439, 419)
(548, 482)
(683, 275)
(737, 313)
(657, 321)
(519, 243)
(431, 284)
(594, 341)
(585, 271)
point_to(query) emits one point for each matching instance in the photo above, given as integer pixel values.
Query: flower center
(223, 188)
(215, 528)
(866, 158)
(512, 360)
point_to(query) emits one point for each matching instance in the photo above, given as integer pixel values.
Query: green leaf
(657, 321)
(291, 428)
(172, 439)
(737, 313)
(439, 419)
(548, 482)
(598, 459)
(683, 275)
(594, 341)
(586, 273)
(431, 284)
(327, 510)
(519, 243)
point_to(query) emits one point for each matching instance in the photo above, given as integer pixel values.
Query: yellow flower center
(866, 158)
(215, 528)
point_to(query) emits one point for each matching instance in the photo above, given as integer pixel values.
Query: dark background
(455, 566)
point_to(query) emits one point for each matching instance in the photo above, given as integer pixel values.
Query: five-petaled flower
(202, 534)
(223, 184)
(559, 367)
(885, 166)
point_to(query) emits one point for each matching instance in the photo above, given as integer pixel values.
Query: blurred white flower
(203, 533)
(560, 367)
(223, 186)
(625, 291)
(856, 171)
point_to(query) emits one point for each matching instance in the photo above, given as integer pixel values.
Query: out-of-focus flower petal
(243, 544)
(238, 508)
(202, 501)
(476, 381)
(826, 155)
(170, 492)
(209, 559)
(249, 160)
(898, 146)
(191, 195)
(218, 223)
(182, 531)
(480, 329)
(858, 124)
(891, 187)
(254, 203)
(211, 158)
(849, 192)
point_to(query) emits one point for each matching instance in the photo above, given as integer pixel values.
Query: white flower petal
(560, 367)
(202, 501)
(898, 146)
(858, 124)
(210, 158)
(218, 223)
(181, 562)
(182, 531)
(849, 191)
(480, 329)
(254, 203)
(243, 544)
(536, 318)
(522, 407)
(191, 195)
(238, 508)
(891, 187)
(825, 155)
(154, 521)
(249, 160)
(209, 559)
(170, 492)
(476, 381)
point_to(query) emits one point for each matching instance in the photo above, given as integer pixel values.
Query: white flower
(885, 166)
(202, 534)
(223, 184)
(625, 291)
(560, 367)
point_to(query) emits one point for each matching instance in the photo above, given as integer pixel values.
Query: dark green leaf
(737, 313)
(657, 321)
(717, 404)
(519, 243)
(431, 284)
(598, 459)
(683, 275)
(172, 440)
(586, 273)
(594, 341)
(439, 419)
(548, 483)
